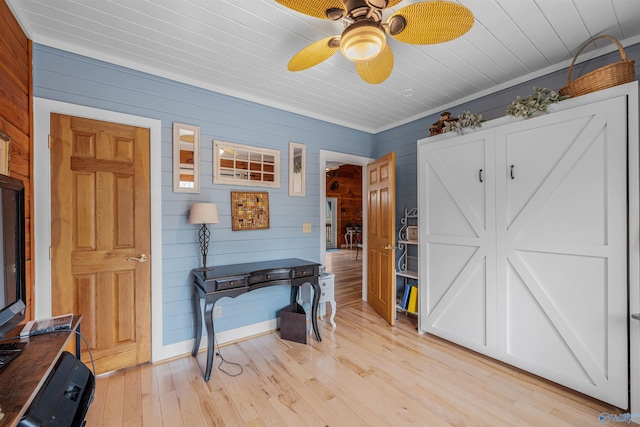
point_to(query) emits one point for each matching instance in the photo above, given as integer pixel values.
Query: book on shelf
(50, 324)
(413, 300)
(405, 297)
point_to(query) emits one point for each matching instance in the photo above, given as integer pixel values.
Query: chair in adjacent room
(358, 243)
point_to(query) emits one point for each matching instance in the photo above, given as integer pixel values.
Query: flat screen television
(13, 298)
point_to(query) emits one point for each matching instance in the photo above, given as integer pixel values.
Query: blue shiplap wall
(403, 139)
(66, 77)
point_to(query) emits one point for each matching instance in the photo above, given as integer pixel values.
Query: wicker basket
(602, 78)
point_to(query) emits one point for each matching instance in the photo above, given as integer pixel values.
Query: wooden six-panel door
(381, 211)
(100, 235)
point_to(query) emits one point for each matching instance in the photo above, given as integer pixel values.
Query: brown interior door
(100, 236)
(381, 211)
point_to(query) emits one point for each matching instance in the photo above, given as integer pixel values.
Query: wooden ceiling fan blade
(316, 8)
(430, 22)
(314, 54)
(378, 69)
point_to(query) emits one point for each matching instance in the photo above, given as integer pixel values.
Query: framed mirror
(238, 164)
(297, 169)
(186, 158)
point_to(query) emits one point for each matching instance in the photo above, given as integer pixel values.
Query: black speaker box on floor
(64, 398)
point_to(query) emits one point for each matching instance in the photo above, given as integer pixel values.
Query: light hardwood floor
(363, 373)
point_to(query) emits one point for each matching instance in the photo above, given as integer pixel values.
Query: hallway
(348, 275)
(348, 283)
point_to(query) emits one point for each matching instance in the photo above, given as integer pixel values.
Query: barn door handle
(139, 258)
(481, 175)
(511, 172)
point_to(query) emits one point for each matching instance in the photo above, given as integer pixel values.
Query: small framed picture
(5, 152)
(249, 210)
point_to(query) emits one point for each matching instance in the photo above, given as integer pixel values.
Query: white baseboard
(185, 347)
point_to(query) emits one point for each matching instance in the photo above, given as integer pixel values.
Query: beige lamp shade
(203, 213)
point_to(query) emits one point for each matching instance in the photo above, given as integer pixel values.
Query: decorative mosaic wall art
(249, 210)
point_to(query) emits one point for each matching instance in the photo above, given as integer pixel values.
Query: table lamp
(204, 213)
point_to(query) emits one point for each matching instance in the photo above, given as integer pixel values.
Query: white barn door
(524, 245)
(457, 186)
(562, 248)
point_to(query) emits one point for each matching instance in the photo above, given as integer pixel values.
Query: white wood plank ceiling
(241, 48)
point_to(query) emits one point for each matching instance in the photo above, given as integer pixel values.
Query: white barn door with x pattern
(526, 245)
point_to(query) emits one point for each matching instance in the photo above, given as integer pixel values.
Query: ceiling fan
(363, 40)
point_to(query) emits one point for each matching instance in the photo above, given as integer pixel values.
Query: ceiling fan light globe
(362, 41)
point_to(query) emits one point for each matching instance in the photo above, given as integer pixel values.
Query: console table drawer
(268, 276)
(304, 272)
(230, 283)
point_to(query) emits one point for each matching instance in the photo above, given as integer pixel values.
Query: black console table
(233, 280)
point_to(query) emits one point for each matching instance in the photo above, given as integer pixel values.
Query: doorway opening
(330, 160)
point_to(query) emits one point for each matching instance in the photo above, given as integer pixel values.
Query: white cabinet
(326, 283)
(523, 244)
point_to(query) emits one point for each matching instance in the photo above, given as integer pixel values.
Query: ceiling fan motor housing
(360, 9)
(379, 4)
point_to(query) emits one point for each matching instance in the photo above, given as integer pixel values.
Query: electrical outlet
(217, 311)
(306, 227)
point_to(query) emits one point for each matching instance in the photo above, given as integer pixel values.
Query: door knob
(139, 258)
(389, 247)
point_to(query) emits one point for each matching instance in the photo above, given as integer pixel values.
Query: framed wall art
(249, 210)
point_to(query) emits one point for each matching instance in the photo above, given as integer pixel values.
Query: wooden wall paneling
(14, 67)
(349, 195)
(20, 163)
(15, 103)
(16, 120)
(15, 47)
(11, 26)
